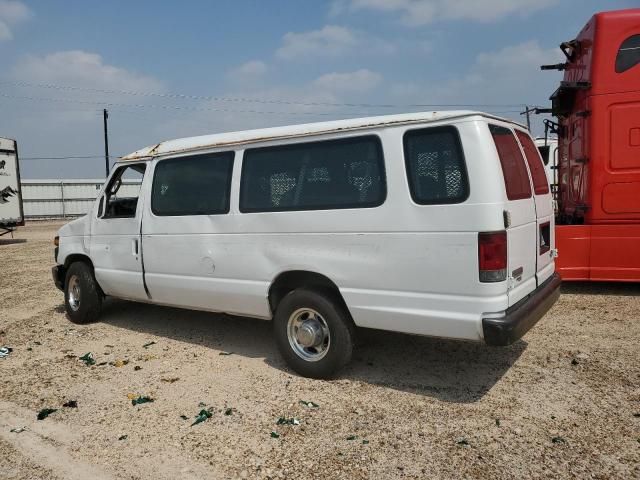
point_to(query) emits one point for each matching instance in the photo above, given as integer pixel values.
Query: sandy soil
(407, 407)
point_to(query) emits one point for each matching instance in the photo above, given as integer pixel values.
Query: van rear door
(520, 216)
(544, 207)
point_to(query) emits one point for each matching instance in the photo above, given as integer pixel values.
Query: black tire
(90, 297)
(338, 321)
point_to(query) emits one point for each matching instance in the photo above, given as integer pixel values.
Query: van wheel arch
(78, 257)
(291, 280)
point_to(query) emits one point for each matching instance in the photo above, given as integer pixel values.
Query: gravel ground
(562, 403)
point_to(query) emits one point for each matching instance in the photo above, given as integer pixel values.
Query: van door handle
(134, 247)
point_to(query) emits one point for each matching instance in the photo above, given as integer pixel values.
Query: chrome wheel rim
(74, 293)
(308, 334)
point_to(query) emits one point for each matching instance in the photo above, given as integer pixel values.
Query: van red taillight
(492, 256)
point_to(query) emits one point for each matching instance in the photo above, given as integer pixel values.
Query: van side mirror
(101, 207)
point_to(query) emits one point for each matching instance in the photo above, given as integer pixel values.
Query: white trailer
(11, 212)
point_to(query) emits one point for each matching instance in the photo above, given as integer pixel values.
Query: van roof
(189, 144)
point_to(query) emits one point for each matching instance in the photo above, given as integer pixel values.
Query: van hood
(75, 228)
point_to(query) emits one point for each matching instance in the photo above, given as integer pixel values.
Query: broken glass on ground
(18, 429)
(287, 421)
(140, 400)
(45, 412)
(88, 359)
(147, 345)
(5, 351)
(309, 404)
(202, 416)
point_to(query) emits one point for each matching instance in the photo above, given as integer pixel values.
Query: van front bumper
(519, 318)
(58, 273)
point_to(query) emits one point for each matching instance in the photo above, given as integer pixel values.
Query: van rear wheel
(82, 297)
(314, 333)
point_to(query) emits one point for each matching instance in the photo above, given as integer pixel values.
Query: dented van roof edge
(232, 139)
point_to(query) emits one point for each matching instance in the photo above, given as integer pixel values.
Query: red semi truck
(597, 107)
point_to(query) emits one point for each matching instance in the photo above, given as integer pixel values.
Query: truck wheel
(314, 333)
(82, 297)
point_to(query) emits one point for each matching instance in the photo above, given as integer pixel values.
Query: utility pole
(105, 115)
(527, 112)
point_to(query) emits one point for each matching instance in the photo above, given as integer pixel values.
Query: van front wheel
(82, 297)
(314, 333)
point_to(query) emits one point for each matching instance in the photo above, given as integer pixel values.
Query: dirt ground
(562, 403)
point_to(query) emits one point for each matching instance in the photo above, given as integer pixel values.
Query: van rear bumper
(519, 318)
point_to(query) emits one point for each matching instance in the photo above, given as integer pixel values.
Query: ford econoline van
(435, 223)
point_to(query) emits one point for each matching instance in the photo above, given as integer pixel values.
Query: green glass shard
(88, 359)
(45, 412)
(140, 400)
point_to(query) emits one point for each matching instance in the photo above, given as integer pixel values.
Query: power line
(163, 107)
(180, 96)
(70, 157)
(193, 109)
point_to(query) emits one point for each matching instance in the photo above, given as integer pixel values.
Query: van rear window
(435, 166)
(516, 177)
(540, 182)
(323, 175)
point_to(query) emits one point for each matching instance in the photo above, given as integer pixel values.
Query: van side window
(544, 153)
(516, 178)
(122, 193)
(540, 182)
(628, 54)
(347, 173)
(435, 166)
(194, 185)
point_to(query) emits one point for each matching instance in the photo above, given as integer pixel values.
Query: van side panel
(395, 265)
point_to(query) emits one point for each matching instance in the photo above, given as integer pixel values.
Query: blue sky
(62, 62)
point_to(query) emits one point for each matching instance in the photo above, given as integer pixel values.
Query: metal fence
(65, 198)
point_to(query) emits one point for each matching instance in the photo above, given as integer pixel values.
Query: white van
(434, 223)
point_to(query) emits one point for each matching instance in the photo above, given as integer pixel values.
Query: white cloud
(362, 80)
(508, 76)
(423, 12)
(316, 100)
(82, 69)
(253, 67)
(329, 41)
(524, 58)
(12, 12)
(248, 72)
